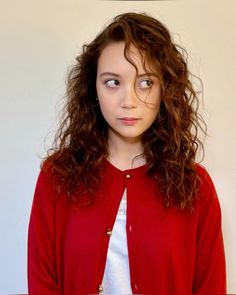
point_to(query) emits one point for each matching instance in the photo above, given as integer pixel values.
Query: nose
(129, 98)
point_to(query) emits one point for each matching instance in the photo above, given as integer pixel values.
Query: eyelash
(149, 81)
(109, 81)
(149, 86)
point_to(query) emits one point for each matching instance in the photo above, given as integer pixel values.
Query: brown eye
(145, 83)
(112, 83)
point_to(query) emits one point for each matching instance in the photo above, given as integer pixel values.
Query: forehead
(113, 55)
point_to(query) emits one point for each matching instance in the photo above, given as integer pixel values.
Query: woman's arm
(210, 272)
(42, 275)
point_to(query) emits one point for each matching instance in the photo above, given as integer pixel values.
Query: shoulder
(45, 185)
(207, 198)
(206, 186)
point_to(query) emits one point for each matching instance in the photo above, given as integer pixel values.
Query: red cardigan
(170, 251)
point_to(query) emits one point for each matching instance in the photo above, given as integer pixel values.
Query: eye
(112, 83)
(145, 83)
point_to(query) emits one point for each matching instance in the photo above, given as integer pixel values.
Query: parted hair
(170, 144)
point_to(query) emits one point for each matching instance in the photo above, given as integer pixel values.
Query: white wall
(40, 39)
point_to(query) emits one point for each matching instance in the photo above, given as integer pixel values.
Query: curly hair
(170, 144)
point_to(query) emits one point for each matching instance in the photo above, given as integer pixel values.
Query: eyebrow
(117, 75)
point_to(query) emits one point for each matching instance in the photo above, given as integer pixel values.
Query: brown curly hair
(170, 144)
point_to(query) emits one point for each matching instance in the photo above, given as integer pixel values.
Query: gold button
(100, 289)
(109, 232)
(127, 175)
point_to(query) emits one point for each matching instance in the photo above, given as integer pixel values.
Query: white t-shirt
(116, 279)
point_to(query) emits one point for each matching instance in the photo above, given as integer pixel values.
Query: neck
(125, 153)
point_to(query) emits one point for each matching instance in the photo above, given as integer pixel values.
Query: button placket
(129, 177)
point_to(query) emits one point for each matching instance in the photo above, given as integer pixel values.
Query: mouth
(128, 120)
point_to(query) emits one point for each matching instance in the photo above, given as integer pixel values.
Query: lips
(129, 120)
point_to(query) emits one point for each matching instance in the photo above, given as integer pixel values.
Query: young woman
(121, 206)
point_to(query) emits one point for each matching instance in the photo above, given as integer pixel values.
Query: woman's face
(129, 106)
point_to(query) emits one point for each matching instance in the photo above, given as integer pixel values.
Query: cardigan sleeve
(210, 270)
(42, 276)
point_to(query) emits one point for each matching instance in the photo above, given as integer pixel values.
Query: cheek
(105, 104)
(153, 115)
(106, 107)
(153, 105)
(152, 111)
(155, 98)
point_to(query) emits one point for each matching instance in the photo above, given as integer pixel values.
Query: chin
(131, 137)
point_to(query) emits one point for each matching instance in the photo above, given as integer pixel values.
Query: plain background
(40, 40)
